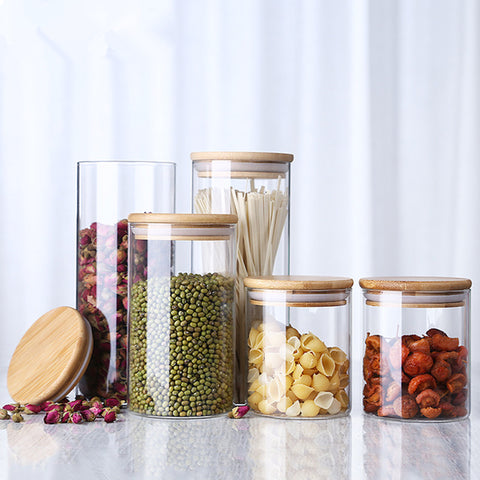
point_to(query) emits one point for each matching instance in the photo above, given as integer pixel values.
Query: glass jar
(181, 314)
(299, 346)
(255, 186)
(417, 339)
(107, 193)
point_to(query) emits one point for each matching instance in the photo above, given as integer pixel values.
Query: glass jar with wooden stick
(255, 186)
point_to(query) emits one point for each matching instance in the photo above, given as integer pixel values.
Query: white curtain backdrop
(378, 100)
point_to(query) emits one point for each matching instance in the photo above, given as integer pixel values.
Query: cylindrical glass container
(417, 340)
(107, 193)
(255, 186)
(299, 346)
(181, 314)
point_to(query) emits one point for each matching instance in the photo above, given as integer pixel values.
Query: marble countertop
(354, 447)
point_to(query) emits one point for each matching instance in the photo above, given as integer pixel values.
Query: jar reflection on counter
(416, 364)
(181, 314)
(299, 346)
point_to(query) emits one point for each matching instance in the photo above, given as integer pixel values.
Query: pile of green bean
(181, 345)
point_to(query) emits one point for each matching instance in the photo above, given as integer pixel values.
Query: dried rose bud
(10, 407)
(97, 411)
(75, 405)
(30, 409)
(88, 415)
(4, 415)
(95, 399)
(54, 406)
(76, 417)
(64, 417)
(112, 402)
(110, 417)
(17, 418)
(45, 405)
(53, 416)
(238, 412)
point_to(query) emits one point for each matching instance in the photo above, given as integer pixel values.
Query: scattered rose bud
(30, 409)
(64, 417)
(54, 406)
(97, 411)
(76, 417)
(75, 405)
(238, 412)
(112, 402)
(88, 415)
(10, 407)
(53, 416)
(110, 417)
(44, 405)
(17, 418)
(4, 415)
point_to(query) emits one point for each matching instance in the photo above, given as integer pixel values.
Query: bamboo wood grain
(338, 303)
(50, 358)
(422, 284)
(262, 157)
(298, 282)
(183, 219)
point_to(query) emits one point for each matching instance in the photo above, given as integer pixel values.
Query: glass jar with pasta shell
(255, 186)
(416, 354)
(181, 314)
(299, 346)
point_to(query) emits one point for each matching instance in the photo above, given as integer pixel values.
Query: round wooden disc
(298, 282)
(416, 284)
(51, 357)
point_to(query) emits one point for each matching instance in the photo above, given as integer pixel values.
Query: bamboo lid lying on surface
(298, 282)
(415, 284)
(51, 357)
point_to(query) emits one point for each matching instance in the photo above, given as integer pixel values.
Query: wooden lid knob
(51, 357)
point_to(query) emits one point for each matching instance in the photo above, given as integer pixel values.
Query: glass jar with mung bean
(181, 314)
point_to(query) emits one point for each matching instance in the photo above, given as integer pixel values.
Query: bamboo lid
(184, 219)
(298, 282)
(242, 156)
(51, 357)
(416, 284)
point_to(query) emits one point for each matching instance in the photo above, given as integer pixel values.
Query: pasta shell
(324, 400)
(297, 373)
(312, 342)
(309, 409)
(274, 339)
(258, 343)
(338, 355)
(255, 356)
(289, 367)
(326, 365)
(345, 366)
(344, 380)
(275, 390)
(308, 360)
(288, 382)
(253, 374)
(292, 332)
(334, 407)
(304, 380)
(320, 382)
(291, 396)
(283, 404)
(293, 410)
(266, 408)
(294, 342)
(262, 390)
(334, 383)
(301, 391)
(253, 400)
(252, 336)
(342, 397)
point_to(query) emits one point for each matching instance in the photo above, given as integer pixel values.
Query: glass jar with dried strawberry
(417, 337)
(106, 193)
